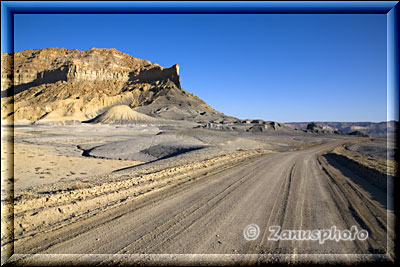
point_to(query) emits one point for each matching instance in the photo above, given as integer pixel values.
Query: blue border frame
(390, 8)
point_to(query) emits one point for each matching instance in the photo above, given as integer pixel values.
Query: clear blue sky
(273, 67)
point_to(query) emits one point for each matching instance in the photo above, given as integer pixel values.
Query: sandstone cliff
(65, 84)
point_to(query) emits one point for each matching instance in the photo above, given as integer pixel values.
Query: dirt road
(294, 190)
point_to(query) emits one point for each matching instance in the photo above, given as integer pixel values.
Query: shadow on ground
(372, 181)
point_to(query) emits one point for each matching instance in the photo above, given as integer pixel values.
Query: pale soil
(204, 211)
(37, 165)
(196, 202)
(384, 165)
(380, 147)
(46, 208)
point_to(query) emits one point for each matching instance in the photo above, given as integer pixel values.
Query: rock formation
(369, 128)
(67, 84)
(314, 128)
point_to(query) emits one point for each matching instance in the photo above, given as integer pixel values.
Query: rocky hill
(70, 85)
(314, 128)
(369, 128)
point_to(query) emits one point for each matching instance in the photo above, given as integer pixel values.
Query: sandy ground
(206, 211)
(37, 165)
(196, 200)
(372, 154)
(48, 154)
(384, 148)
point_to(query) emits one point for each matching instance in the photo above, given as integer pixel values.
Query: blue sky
(273, 67)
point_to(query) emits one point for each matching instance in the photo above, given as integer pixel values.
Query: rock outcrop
(369, 128)
(68, 84)
(158, 74)
(314, 128)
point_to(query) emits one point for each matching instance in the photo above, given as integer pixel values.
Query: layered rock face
(68, 84)
(53, 64)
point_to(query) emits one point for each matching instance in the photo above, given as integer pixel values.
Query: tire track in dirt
(294, 190)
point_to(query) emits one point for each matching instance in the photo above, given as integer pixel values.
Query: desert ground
(108, 160)
(109, 194)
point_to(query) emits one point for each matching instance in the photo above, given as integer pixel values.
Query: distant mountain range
(370, 128)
